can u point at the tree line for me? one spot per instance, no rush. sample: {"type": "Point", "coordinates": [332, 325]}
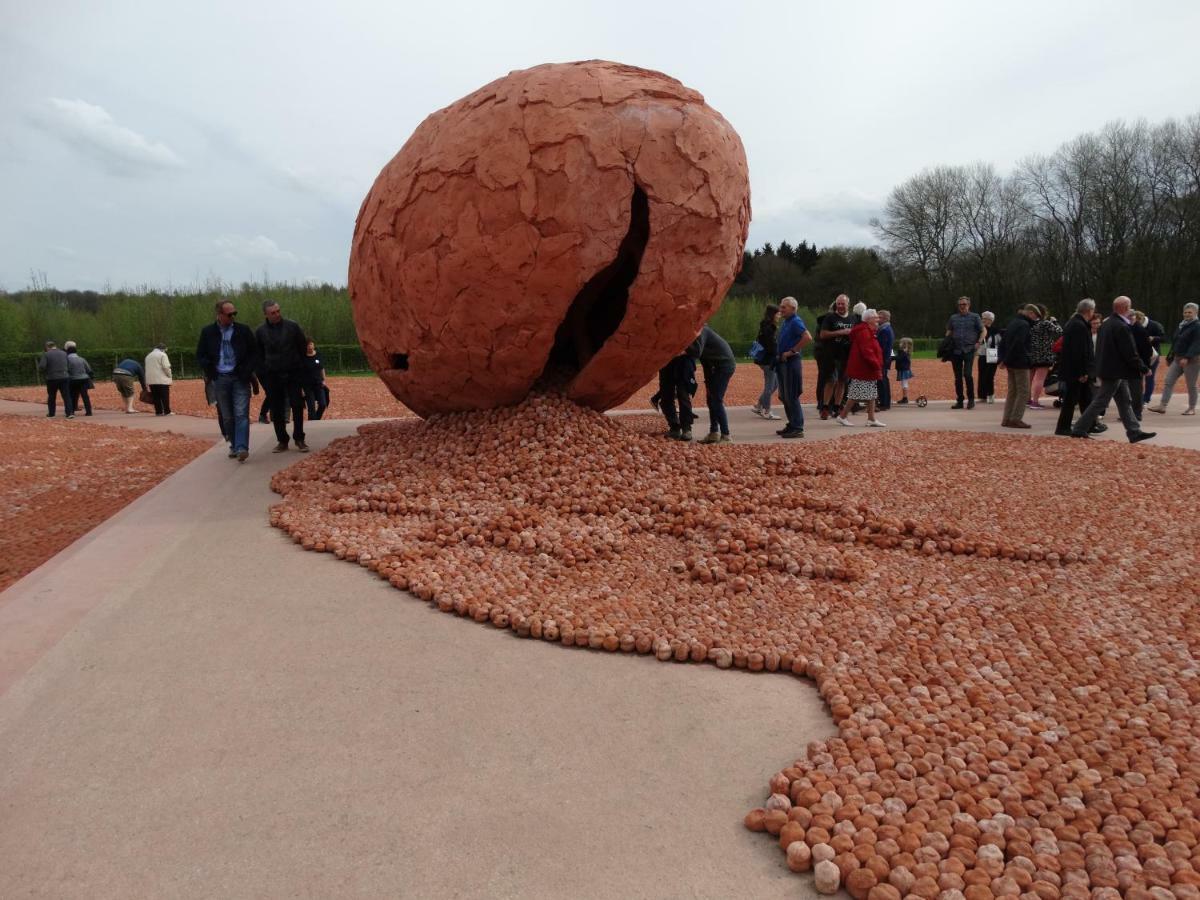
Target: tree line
{"type": "Point", "coordinates": [1111, 212]}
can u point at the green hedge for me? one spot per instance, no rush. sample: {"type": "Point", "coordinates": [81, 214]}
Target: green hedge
{"type": "Point", "coordinates": [21, 368]}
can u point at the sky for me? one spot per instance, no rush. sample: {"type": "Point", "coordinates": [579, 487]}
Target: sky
{"type": "Point", "coordinates": [177, 144]}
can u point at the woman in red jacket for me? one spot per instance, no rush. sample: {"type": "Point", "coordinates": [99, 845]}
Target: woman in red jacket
{"type": "Point", "coordinates": [865, 369]}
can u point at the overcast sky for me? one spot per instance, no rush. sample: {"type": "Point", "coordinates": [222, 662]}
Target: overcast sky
{"type": "Point", "coordinates": [171, 143]}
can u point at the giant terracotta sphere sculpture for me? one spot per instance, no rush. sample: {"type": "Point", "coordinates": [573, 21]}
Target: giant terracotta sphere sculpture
{"type": "Point", "coordinates": [576, 222]}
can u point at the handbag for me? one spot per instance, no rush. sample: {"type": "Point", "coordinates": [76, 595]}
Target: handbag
{"type": "Point", "coordinates": [145, 396]}
{"type": "Point", "coordinates": [756, 351]}
{"type": "Point", "coordinates": [993, 355]}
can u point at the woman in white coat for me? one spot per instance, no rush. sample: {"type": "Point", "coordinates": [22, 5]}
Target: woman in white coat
{"type": "Point", "coordinates": [158, 379]}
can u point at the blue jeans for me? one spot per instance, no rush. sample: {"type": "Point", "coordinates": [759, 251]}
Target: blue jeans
{"type": "Point", "coordinates": [716, 382]}
{"type": "Point", "coordinates": [791, 384]}
{"type": "Point", "coordinates": [233, 402]}
{"type": "Point", "coordinates": [770, 381]}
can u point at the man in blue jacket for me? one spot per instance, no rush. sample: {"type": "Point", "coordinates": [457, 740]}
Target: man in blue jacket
{"type": "Point", "coordinates": [227, 355]}
{"type": "Point", "coordinates": [791, 339]}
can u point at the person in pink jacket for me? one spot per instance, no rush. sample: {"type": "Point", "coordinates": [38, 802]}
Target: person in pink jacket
{"type": "Point", "coordinates": [864, 369]}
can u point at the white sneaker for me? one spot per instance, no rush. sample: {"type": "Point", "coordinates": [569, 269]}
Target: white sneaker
{"type": "Point", "coordinates": [842, 421]}
{"type": "Point", "coordinates": [875, 423]}
{"type": "Point", "coordinates": [770, 415]}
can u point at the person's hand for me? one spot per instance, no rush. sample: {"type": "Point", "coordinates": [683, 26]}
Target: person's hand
{"type": "Point", "coordinates": [1082, 379]}
{"type": "Point", "coordinates": [1183, 360]}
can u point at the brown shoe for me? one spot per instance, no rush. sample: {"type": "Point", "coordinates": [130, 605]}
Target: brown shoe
{"type": "Point", "coordinates": [1019, 424]}
{"type": "Point", "coordinates": [301, 446]}
{"type": "Point", "coordinates": [280, 448]}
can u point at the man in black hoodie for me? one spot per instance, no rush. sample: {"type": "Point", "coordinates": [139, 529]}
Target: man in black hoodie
{"type": "Point", "coordinates": [281, 348]}
{"type": "Point", "coordinates": [1117, 364]}
{"type": "Point", "coordinates": [1076, 365]}
{"type": "Point", "coordinates": [1014, 359]}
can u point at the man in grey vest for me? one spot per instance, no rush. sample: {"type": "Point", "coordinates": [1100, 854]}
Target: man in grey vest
{"type": "Point", "coordinates": [53, 366]}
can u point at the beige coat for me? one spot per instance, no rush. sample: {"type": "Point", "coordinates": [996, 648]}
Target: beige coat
{"type": "Point", "coordinates": [158, 368]}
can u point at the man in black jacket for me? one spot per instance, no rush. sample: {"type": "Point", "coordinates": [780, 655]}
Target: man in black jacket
{"type": "Point", "coordinates": [1014, 358]}
{"type": "Point", "coordinates": [1076, 365]}
{"type": "Point", "coordinates": [1117, 364]}
{"type": "Point", "coordinates": [227, 355]}
{"type": "Point", "coordinates": [282, 347]}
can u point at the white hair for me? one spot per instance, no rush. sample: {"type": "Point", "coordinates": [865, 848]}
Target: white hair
{"type": "Point", "coordinates": [1085, 304]}
{"type": "Point", "coordinates": [869, 313]}
{"type": "Point", "coordinates": [1194, 307]}
{"type": "Point", "coordinates": [789, 302]}
{"type": "Point", "coordinates": [859, 308]}
{"type": "Point", "coordinates": [988, 314]}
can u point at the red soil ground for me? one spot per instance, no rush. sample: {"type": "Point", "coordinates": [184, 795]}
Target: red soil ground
{"type": "Point", "coordinates": [367, 398]}
{"type": "Point", "coordinates": [57, 482]}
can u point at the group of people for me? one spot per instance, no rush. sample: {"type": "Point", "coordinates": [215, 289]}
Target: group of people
{"type": "Point", "coordinates": [235, 361]}
{"type": "Point", "coordinates": [69, 376]}
{"type": "Point", "coordinates": [1098, 361]}
{"type": "Point", "coordinates": [1095, 360]}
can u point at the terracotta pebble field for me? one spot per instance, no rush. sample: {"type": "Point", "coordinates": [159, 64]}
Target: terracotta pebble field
{"type": "Point", "coordinates": [58, 482]}
{"type": "Point", "coordinates": [368, 398]}
{"type": "Point", "coordinates": [1006, 639]}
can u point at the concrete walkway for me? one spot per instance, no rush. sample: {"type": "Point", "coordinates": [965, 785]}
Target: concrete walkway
{"type": "Point", "coordinates": [191, 706]}
{"type": "Point", "coordinates": [209, 711]}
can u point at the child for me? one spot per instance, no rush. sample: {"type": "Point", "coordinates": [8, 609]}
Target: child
{"type": "Point", "coordinates": [904, 371]}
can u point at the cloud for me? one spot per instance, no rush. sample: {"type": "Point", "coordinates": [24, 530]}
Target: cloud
{"type": "Point", "coordinates": [839, 218]}
{"type": "Point", "coordinates": [259, 248]}
{"type": "Point", "coordinates": [92, 131]}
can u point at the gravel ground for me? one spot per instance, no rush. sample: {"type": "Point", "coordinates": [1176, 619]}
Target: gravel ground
{"type": "Point", "coordinates": [367, 398]}
{"type": "Point", "coordinates": [57, 483]}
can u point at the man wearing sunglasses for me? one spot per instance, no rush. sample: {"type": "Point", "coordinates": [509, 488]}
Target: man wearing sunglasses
{"type": "Point", "coordinates": [227, 354]}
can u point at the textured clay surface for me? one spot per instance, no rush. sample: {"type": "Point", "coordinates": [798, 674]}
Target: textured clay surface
{"type": "Point", "coordinates": [1011, 653]}
{"type": "Point", "coordinates": [59, 480]}
{"type": "Point", "coordinates": [580, 219]}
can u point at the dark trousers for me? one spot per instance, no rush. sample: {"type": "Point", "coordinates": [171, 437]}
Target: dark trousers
{"type": "Point", "coordinates": [160, 394]}
{"type": "Point", "coordinates": [826, 372]}
{"type": "Point", "coordinates": [716, 382]}
{"type": "Point", "coordinates": [963, 372]}
{"type": "Point", "coordinates": [884, 387]}
{"type": "Point", "coordinates": [675, 394]}
{"type": "Point", "coordinates": [54, 387]}
{"type": "Point", "coordinates": [1135, 396]}
{"type": "Point", "coordinates": [285, 391]}
{"type": "Point", "coordinates": [314, 399]}
{"type": "Point", "coordinates": [1076, 393]}
{"type": "Point", "coordinates": [791, 384]}
{"type": "Point", "coordinates": [1148, 390]}
{"type": "Point", "coordinates": [79, 391]}
{"type": "Point", "coordinates": [987, 379]}
{"type": "Point", "coordinates": [1114, 389]}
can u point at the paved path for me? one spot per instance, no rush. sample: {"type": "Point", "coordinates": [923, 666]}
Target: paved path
{"type": "Point", "coordinates": [191, 706]}
{"type": "Point", "coordinates": [212, 712]}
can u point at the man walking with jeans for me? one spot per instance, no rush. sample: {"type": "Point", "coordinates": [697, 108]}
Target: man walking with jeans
{"type": "Point", "coordinates": [1121, 370]}
{"type": "Point", "coordinates": [283, 347]}
{"type": "Point", "coordinates": [792, 337]}
{"type": "Point", "coordinates": [965, 329]}
{"type": "Point", "coordinates": [227, 355]}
